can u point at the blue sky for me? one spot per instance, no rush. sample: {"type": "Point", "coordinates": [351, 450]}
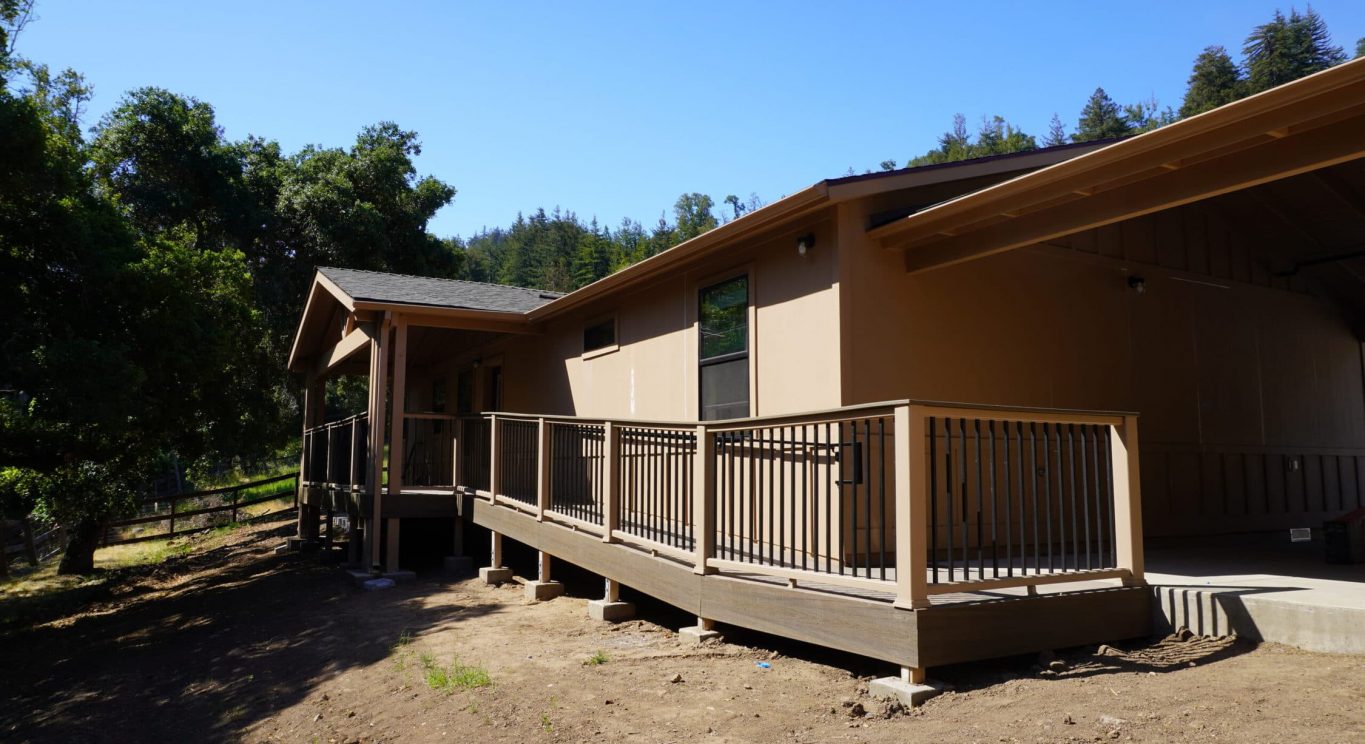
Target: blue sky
{"type": "Point", "coordinates": [614, 109]}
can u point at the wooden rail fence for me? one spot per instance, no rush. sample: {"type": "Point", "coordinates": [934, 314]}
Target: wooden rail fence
{"type": "Point", "coordinates": [231, 503]}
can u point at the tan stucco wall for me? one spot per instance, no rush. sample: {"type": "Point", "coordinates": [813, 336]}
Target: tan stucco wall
{"type": "Point", "coordinates": [794, 331]}
{"type": "Point", "coordinates": [1252, 394]}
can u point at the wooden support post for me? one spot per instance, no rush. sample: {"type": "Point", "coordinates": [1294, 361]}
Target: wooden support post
{"type": "Point", "coordinates": [611, 506]}
{"type": "Point", "coordinates": [391, 555]}
{"type": "Point", "coordinates": [704, 499]}
{"type": "Point", "coordinates": [912, 675]}
{"type": "Point", "coordinates": [1126, 471]}
{"type": "Point", "coordinates": [613, 591]}
{"type": "Point", "coordinates": [234, 506]}
{"type": "Point", "coordinates": [495, 560]}
{"type": "Point", "coordinates": [379, 371]}
{"type": "Point", "coordinates": [400, 377]}
{"type": "Point", "coordinates": [542, 471]}
{"type": "Point", "coordinates": [494, 433]}
{"type": "Point", "coordinates": [457, 428]}
{"type": "Point", "coordinates": [912, 509]}
{"type": "Point", "coordinates": [30, 549]}
{"type": "Point", "coordinates": [543, 566]}
{"type": "Point", "coordinates": [172, 531]}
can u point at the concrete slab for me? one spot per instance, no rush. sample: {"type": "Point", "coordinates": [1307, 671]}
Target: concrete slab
{"type": "Point", "coordinates": [495, 576]}
{"type": "Point", "coordinates": [1260, 587]}
{"type": "Point", "coordinates": [542, 591]}
{"type": "Point", "coordinates": [611, 612]}
{"type": "Point", "coordinates": [696, 635]}
{"type": "Point", "coordinates": [910, 694]}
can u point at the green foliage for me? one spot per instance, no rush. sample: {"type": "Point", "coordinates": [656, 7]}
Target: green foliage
{"type": "Point", "coordinates": [597, 659]}
{"type": "Point", "coordinates": [1056, 132]}
{"type": "Point", "coordinates": [558, 252]}
{"type": "Point", "coordinates": [1101, 118]}
{"type": "Point", "coordinates": [1286, 49]}
{"type": "Point", "coordinates": [1214, 81]}
{"type": "Point", "coordinates": [995, 137]}
{"type": "Point", "coordinates": [1360, 47]}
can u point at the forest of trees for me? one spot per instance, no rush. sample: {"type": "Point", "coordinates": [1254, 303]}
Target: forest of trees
{"type": "Point", "coordinates": [1284, 48]}
{"type": "Point", "coordinates": [152, 270]}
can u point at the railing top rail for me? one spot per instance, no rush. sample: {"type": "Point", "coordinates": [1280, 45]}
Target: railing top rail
{"type": "Point", "coordinates": [862, 410]}
{"type": "Point", "coordinates": [338, 422]}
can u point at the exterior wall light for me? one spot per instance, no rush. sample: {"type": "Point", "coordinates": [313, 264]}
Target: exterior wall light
{"type": "Point", "coordinates": [1137, 284]}
{"type": "Point", "coordinates": [804, 244]}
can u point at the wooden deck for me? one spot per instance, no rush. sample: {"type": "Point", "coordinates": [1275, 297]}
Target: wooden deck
{"type": "Point", "coordinates": [919, 534]}
{"type": "Point", "coordinates": [957, 627]}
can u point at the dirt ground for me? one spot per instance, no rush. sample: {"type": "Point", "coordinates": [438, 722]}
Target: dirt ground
{"type": "Point", "coordinates": [231, 642]}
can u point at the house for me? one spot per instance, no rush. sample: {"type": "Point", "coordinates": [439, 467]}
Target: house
{"type": "Point", "coordinates": [896, 414]}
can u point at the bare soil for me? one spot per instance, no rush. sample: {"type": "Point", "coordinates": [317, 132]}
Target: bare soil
{"type": "Point", "coordinates": [234, 643]}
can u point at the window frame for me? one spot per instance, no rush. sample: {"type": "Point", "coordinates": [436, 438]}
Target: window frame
{"type": "Point", "coordinates": [700, 285]}
{"type": "Point", "coordinates": [615, 345]}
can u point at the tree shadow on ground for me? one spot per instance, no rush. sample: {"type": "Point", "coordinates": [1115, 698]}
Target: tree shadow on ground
{"type": "Point", "coordinates": [208, 645]}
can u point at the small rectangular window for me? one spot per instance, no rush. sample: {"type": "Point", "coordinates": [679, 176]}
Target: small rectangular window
{"type": "Point", "coordinates": [600, 335]}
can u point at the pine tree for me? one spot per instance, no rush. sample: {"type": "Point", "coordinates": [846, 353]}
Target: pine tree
{"type": "Point", "coordinates": [1056, 132]}
{"type": "Point", "coordinates": [1214, 81]}
{"type": "Point", "coordinates": [1101, 119]}
{"type": "Point", "coordinates": [1287, 49]}
{"type": "Point", "coordinates": [1360, 47]}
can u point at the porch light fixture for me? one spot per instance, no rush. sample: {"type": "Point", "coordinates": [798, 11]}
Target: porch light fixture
{"type": "Point", "coordinates": [804, 244]}
{"type": "Point", "coordinates": [1137, 284]}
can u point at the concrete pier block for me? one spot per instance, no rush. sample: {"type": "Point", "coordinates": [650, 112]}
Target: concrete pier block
{"type": "Point", "coordinates": [910, 694]}
{"type": "Point", "coordinates": [611, 612]}
{"type": "Point", "coordinates": [541, 591]}
{"type": "Point", "coordinates": [495, 576]}
{"type": "Point", "coordinates": [697, 635]}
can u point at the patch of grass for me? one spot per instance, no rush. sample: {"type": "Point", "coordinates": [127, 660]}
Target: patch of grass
{"type": "Point", "coordinates": [545, 724]}
{"type": "Point", "coordinates": [148, 553]}
{"type": "Point", "coordinates": [596, 659]}
{"type": "Point", "coordinates": [456, 675]}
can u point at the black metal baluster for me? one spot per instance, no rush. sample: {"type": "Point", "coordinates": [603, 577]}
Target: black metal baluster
{"type": "Point", "coordinates": [1009, 505]}
{"type": "Point", "coordinates": [1071, 492]}
{"type": "Point", "coordinates": [1085, 501]}
{"type": "Point", "coordinates": [995, 507]}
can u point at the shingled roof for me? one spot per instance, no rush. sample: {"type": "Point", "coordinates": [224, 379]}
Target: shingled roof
{"type": "Point", "coordinates": [374, 286]}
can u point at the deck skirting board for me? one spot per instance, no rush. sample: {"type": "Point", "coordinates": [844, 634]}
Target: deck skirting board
{"type": "Point", "coordinates": [943, 634]}
{"type": "Point", "coordinates": [968, 631]}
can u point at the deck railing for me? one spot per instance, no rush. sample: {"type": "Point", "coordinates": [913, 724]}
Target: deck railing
{"type": "Point", "coordinates": [334, 453]}
{"type": "Point", "coordinates": [907, 498]}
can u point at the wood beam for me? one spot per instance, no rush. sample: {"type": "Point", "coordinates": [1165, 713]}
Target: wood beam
{"type": "Point", "coordinates": [400, 377]}
{"type": "Point", "coordinates": [343, 350]}
{"type": "Point", "coordinates": [1280, 158]}
{"type": "Point", "coordinates": [468, 320]}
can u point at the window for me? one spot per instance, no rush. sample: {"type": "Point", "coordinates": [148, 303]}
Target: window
{"type": "Point", "coordinates": [599, 335]}
{"type": "Point", "coordinates": [723, 356]}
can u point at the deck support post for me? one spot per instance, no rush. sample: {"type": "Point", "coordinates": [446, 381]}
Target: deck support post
{"type": "Point", "coordinates": [703, 631]}
{"type": "Point", "coordinates": [1123, 455]}
{"type": "Point", "coordinates": [544, 587]}
{"type": "Point", "coordinates": [392, 524]}
{"type": "Point", "coordinates": [704, 499]}
{"type": "Point", "coordinates": [542, 469]}
{"type": "Point", "coordinates": [912, 509]}
{"type": "Point", "coordinates": [313, 413]}
{"type": "Point", "coordinates": [611, 504]}
{"type": "Point", "coordinates": [610, 608]}
{"type": "Point", "coordinates": [379, 389]}
{"type": "Point", "coordinates": [495, 573]}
